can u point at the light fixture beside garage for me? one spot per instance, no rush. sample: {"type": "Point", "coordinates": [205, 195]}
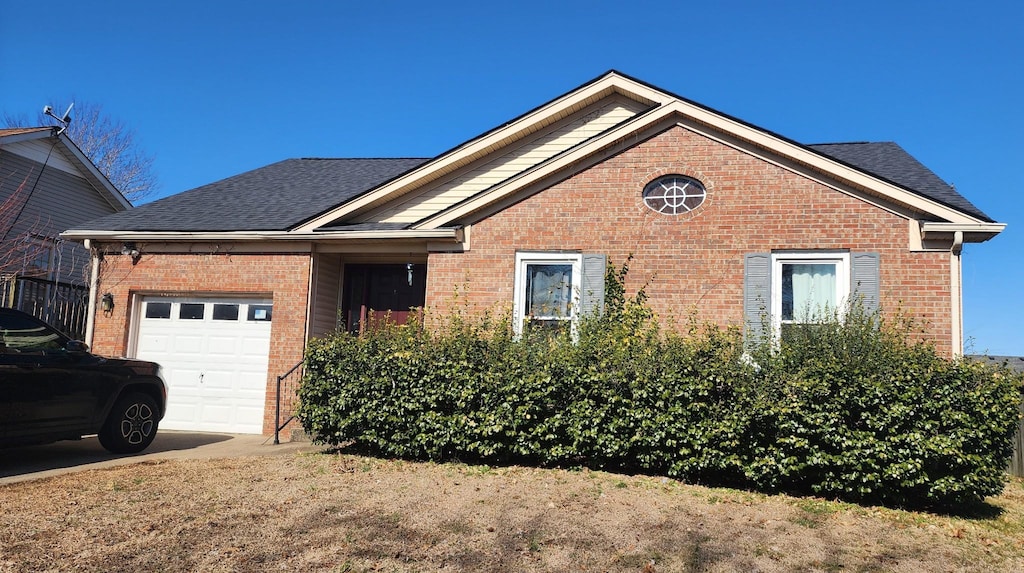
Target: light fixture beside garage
{"type": "Point", "coordinates": [129, 249]}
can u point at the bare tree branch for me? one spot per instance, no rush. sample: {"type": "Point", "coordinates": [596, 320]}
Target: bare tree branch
{"type": "Point", "coordinates": [21, 241]}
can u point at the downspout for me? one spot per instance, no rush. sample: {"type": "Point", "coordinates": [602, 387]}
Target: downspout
{"type": "Point", "coordinates": [94, 278]}
{"type": "Point", "coordinates": [956, 293]}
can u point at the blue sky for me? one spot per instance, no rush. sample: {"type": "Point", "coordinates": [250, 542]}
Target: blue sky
{"type": "Point", "coordinates": [213, 89]}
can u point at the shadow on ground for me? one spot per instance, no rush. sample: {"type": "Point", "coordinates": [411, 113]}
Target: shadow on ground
{"type": "Point", "coordinates": [74, 453]}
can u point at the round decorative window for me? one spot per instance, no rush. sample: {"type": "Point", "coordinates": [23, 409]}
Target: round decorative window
{"type": "Point", "coordinates": [674, 194]}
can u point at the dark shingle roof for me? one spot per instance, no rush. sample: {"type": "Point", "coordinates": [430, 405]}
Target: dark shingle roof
{"type": "Point", "coordinates": [890, 162]}
{"type": "Point", "coordinates": [282, 195]}
{"type": "Point", "coordinates": [272, 198]}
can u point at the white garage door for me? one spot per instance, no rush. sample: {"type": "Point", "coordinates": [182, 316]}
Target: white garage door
{"type": "Point", "coordinates": [214, 355]}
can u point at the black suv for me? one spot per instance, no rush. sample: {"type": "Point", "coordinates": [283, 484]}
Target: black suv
{"type": "Point", "coordinates": [52, 388]}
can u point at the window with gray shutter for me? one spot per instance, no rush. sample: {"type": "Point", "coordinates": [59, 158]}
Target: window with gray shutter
{"type": "Point", "coordinates": [864, 283]}
{"type": "Point", "coordinates": [592, 284]}
{"type": "Point", "coordinates": [756, 291]}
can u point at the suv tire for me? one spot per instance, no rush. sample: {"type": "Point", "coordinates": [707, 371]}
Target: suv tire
{"type": "Point", "coordinates": [131, 425]}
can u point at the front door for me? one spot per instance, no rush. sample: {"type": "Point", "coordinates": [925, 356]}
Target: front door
{"type": "Point", "coordinates": [373, 292]}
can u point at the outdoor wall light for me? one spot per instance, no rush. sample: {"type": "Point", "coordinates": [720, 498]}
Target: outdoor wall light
{"type": "Point", "coordinates": [107, 303]}
{"type": "Point", "coordinates": [408, 268]}
{"type": "Point", "coordinates": [129, 249]}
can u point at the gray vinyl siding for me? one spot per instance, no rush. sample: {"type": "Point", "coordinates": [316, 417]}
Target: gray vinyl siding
{"type": "Point", "coordinates": [56, 201]}
{"type": "Point", "coordinates": [326, 294]}
{"type": "Point", "coordinates": [43, 150]}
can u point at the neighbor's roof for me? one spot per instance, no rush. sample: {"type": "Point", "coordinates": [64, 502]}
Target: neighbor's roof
{"type": "Point", "coordinates": [272, 198]}
{"type": "Point", "coordinates": [890, 162]}
{"type": "Point", "coordinates": [20, 130]}
{"type": "Point", "coordinates": [1015, 363]}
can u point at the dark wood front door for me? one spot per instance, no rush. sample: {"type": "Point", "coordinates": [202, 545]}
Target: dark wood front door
{"type": "Point", "coordinates": [373, 292]}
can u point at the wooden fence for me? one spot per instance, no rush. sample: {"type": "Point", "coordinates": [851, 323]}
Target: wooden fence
{"type": "Point", "coordinates": [63, 305]}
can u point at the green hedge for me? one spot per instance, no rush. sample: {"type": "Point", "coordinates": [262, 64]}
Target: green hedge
{"type": "Point", "coordinates": [853, 409]}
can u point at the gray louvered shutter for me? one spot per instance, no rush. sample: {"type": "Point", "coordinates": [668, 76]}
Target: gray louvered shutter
{"type": "Point", "coordinates": [592, 284]}
{"type": "Point", "coordinates": [757, 282]}
{"type": "Point", "coordinates": [864, 284]}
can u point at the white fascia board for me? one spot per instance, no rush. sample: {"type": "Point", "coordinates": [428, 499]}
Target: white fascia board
{"type": "Point", "coordinates": [721, 124]}
{"type": "Point", "coordinates": [95, 176]}
{"type": "Point", "coordinates": [451, 234]}
{"type": "Point", "coordinates": [508, 133]}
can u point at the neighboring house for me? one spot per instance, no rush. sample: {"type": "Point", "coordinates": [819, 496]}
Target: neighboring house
{"type": "Point", "coordinates": [224, 284]}
{"type": "Point", "coordinates": [47, 185]}
{"type": "Point", "coordinates": [1015, 363]}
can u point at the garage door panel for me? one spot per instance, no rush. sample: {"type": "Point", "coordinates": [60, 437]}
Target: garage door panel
{"type": "Point", "coordinates": [153, 343]}
{"type": "Point", "coordinates": [185, 378]}
{"type": "Point", "coordinates": [183, 408]}
{"type": "Point", "coordinates": [248, 381]}
{"type": "Point", "coordinates": [187, 344]}
{"type": "Point", "coordinates": [224, 345]}
{"type": "Point", "coordinates": [225, 380]}
{"type": "Point", "coordinates": [216, 366]}
{"type": "Point", "coordinates": [251, 418]}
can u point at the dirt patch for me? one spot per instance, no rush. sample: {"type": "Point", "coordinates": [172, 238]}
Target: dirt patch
{"type": "Point", "coordinates": [346, 514]}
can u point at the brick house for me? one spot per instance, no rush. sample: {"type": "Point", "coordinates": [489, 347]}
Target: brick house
{"type": "Point", "coordinates": [225, 283]}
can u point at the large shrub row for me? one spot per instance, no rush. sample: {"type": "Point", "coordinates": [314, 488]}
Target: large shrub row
{"type": "Point", "coordinates": [853, 409]}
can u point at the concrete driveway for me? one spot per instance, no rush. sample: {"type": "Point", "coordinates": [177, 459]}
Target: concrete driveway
{"type": "Point", "coordinates": [35, 462]}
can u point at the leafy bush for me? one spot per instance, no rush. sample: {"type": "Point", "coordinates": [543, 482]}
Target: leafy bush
{"type": "Point", "coordinates": [855, 409]}
{"type": "Point", "coordinates": [852, 409]}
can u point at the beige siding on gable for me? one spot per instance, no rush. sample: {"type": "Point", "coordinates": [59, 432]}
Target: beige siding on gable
{"type": "Point", "coordinates": [544, 145]}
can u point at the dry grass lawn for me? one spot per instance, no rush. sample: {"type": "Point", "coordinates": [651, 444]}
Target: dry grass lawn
{"type": "Point", "coordinates": [343, 513]}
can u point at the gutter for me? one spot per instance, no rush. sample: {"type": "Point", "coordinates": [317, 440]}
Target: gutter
{"type": "Point", "coordinates": [962, 232]}
{"type": "Point", "coordinates": [453, 234]}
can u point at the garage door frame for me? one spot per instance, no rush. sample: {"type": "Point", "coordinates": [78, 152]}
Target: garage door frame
{"type": "Point", "coordinates": [138, 302]}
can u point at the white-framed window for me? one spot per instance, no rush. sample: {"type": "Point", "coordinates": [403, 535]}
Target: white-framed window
{"type": "Point", "coordinates": [806, 287]}
{"type": "Point", "coordinates": [547, 290]}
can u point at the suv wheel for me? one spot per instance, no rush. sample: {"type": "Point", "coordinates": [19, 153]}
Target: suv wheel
{"type": "Point", "coordinates": [131, 425]}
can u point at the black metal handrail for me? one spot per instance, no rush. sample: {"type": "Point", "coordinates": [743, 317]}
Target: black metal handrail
{"type": "Point", "coordinates": [293, 377]}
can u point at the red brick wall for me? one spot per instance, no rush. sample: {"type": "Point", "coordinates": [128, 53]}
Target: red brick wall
{"type": "Point", "coordinates": [284, 277]}
{"type": "Point", "coordinates": [693, 261]}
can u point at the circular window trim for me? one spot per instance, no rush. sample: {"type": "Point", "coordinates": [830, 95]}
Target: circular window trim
{"type": "Point", "coordinates": [674, 194]}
